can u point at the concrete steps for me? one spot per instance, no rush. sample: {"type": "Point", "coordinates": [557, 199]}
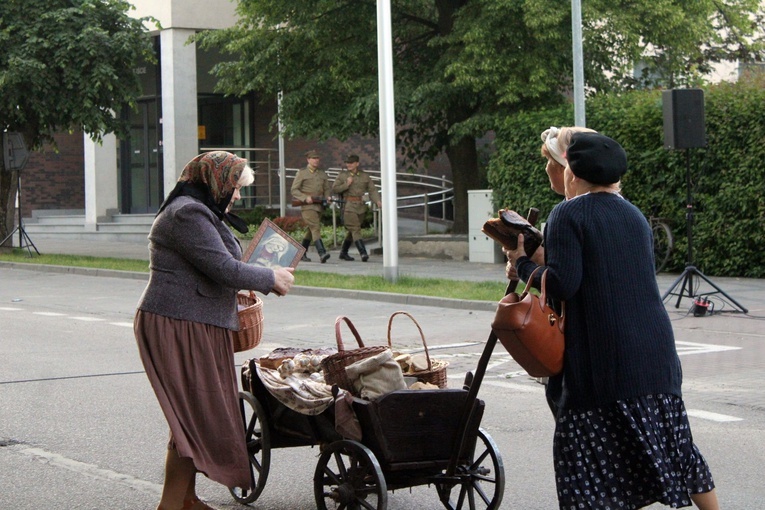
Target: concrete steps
{"type": "Point", "coordinates": [70, 225]}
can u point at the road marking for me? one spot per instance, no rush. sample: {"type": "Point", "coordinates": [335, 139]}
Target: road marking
{"type": "Point", "coordinates": [87, 319]}
{"type": "Point", "coordinates": [707, 415]}
{"type": "Point", "coordinates": [684, 348]}
{"type": "Point", "coordinates": [50, 314]}
{"type": "Point", "coordinates": [122, 324]}
{"type": "Point", "coordinates": [9, 309]}
{"type": "Point", "coordinates": [89, 470]}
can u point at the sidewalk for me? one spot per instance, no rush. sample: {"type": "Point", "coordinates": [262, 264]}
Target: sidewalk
{"type": "Point", "coordinates": [749, 292]}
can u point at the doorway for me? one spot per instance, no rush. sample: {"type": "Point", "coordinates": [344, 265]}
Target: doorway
{"type": "Point", "coordinates": [141, 161]}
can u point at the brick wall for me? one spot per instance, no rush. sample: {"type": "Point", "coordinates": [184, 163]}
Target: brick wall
{"type": "Point", "coordinates": [55, 180]}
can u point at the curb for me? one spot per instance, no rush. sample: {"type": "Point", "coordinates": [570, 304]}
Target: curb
{"type": "Point", "coordinates": [297, 290]}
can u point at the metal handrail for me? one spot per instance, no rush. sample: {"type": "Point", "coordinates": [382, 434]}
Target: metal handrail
{"type": "Point", "coordinates": [268, 158]}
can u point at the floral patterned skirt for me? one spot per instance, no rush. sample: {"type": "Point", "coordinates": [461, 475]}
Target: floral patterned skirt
{"type": "Point", "coordinates": [628, 455]}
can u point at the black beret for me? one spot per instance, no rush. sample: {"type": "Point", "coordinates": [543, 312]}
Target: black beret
{"type": "Point", "coordinates": [596, 158]}
{"type": "Point", "coordinates": [352, 158]}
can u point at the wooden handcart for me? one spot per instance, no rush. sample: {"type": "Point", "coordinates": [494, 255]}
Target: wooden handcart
{"type": "Point", "coordinates": [409, 438]}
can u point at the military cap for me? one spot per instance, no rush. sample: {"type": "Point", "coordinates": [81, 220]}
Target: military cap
{"type": "Point", "coordinates": [312, 154]}
{"type": "Point", "coordinates": [351, 158]}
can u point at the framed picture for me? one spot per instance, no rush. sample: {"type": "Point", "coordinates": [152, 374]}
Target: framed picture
{"type": "Point", "coordinates": [273, 247]}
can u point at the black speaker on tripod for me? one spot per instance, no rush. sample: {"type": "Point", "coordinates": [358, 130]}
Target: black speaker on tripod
{"type": "Point", "coordinates": [15, 157]}
{"type": "Point", "coordinates": [684, 128]}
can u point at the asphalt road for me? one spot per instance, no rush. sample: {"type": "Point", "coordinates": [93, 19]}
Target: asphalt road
{"type": "Point", "coordinates": [80, 427]}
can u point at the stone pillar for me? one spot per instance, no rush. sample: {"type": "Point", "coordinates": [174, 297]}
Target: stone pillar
{"type": "Point", "coordinates": [179, 103]}
{"type": "Point", "coordinates": [101, 185]}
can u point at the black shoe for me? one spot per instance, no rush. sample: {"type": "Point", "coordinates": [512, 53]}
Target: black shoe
{"type": "Point", "coordinates": [323, 255]}
{"type": "Point", "coordinates": [344, 249]}
{"type": "Point", "coordinates": [362, 250]}
{"type": "Point", "coordinates": [306, 243]}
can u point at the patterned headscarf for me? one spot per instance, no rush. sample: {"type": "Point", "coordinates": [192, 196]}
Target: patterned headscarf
{"type": "Point", "coordinates": [211, 177]}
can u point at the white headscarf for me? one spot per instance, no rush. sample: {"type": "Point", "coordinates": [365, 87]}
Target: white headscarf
{"type": "Point", "coordinates": [550, 138]}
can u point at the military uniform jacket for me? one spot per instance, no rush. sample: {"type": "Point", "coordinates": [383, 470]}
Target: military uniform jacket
{"type": "Point", "coordinates": [362, 183]}
{"type": "Point", "coordinates": [311, 184]}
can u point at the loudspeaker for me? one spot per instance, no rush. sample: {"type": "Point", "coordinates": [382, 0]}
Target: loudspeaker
{"type": "Point", "coordinates": [683, 118]}
{"type": "Point", "coordinates": [15, 155]}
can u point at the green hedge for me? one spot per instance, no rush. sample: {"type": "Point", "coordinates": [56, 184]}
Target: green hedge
{"type": "Point", "coordinates": [727, 176]}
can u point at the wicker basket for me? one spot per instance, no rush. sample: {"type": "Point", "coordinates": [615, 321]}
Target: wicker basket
{"type": "Point", "coordinates": [436, 371]}
{"type": "Point", "coordinates": [250, 322]}
{"type": "Point", "coordinates": [334, 364]}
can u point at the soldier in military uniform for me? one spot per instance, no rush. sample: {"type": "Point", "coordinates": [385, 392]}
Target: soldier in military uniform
{"type": "Point", "coordinates": [311, 187]}
{"type": "Point", "coordinates": [352, 184]}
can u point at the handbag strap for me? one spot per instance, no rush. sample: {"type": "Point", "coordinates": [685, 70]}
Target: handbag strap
{"type": "Point", "coordinates": [338, 336]}
{"type": "Point", "coordinates": [422, 335]}
{"type": "Point", "coordinates": [543, 299]}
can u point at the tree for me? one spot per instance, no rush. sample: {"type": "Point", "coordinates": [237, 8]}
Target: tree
{"type": "Point", "coordinates": [65, 65]}
{"type": "Point", "coordinates": [462, 64]}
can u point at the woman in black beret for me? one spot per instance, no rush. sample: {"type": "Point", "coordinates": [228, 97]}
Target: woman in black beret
{"type": "Point", "coordinates": [622, 437]}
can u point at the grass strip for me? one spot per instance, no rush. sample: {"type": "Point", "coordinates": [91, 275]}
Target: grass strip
{"type": "Point", "coordinates": [410, 285]}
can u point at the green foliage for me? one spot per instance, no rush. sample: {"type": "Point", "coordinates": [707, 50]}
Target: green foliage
{"type": "Point", "coordinates": [461, 67]}
{"type": "Point", "coordinates": [66, 64]}
{"type": "Point", "coordinates": [726, 177]}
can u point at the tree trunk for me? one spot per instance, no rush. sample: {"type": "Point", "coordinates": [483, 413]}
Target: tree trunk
{"type": "Point", "coordinates": [463, 157]}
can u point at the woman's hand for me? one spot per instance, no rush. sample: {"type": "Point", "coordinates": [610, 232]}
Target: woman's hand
{"type": "Point", "coordinates": [537, 257]}
{"type": "Point", "coordinates": [283, 280]}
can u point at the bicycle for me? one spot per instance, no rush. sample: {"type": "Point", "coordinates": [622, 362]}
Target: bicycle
{"type": "Point", "coordinates": [663, 242]}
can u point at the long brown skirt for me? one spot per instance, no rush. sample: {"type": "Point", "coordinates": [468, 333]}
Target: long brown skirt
{"type": "Point", "coordinates": [191, 368]}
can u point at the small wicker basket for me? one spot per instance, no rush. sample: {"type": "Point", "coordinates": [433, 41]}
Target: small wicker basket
{"type": "Point", "coordinates": [250, 322]}
{"type": "Point", "coordinates": [436, 371]}
{"type": "Point", "coordinates": [334, 364]}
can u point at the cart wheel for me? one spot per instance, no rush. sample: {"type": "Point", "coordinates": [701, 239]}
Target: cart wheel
{"type": "Point", "coordinates": [480, 486]}
{"type": "Point", "coordinates": [258, 441]}
{"type": "Point", "coordinates": [348, 477]}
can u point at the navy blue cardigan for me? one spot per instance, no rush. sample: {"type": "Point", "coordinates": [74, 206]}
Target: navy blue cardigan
{"type": "Point", "coordinates": [619, 339]}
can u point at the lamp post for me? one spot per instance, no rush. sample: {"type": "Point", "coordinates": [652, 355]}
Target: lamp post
{"type": "Point", "coordinates": [387, 141]}
{"type": "Point", "coordinates": [576, 36]}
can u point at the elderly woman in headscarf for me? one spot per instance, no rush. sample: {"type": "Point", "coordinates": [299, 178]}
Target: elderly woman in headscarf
{"type": "Point", "coordinates": [184, 323]}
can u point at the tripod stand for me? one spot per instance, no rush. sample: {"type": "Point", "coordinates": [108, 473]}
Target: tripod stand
{"type": "Point", "coordinates": [690, 270]}
{"type": "Point", "coordinates": [24, 240]}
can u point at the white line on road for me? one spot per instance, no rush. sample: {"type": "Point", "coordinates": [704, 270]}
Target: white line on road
{"type": "Point", "coordinates": [122, 324]}
{"type": "Point", "coordinates": [9, 309]}
{"type": "Point", "coordinates": [89, 470]}
{"type": "Point", "coordinates": [87, 319]}
{"type": "Point", "coordinates": [49, 314]}
{"type": "Point", "coordinates": [697, 348]}
{"type": "Point", "coordinates": [707, 415]}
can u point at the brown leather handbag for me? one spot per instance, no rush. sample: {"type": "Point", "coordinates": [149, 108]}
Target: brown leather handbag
{"type": "Point", "coordinates": [531, 331]}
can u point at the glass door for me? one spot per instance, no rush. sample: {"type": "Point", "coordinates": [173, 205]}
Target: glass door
{"type": "Point", "coordinates": [141, 161]}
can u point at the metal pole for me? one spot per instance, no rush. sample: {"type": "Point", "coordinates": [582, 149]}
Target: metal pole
{"type": "Point", "coordinates": [576, 36]}
{"type": "Point", "coordinates": [387, 140]}
{"type": "Point", "coordinates": [282, 166]}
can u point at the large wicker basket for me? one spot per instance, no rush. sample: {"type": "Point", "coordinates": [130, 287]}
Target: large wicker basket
{"type": "Point", "coordinates": [250, 309]}
{"type": "Point", "coordinates": [334, 364]}
{"type": "Point", "coordinates": [436, 371]}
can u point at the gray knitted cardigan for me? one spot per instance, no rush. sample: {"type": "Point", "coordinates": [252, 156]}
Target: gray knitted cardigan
{"type": "Point", "coordinates": [195, 267]}
{"type": "Point", "coordinates": [619, 339]}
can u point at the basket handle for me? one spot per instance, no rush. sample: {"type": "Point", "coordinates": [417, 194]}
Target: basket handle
{"type": "Point", "coordinates": [422, 335]}
{"type": "Point", "coordinates": [338, 336]}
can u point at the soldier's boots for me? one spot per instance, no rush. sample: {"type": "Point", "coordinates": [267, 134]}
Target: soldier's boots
{"type": "Point", "coordinates": [362, 250]}
{"type": "Point", "coordinates": [323, 255]}
{"type": "Point", "coordinates": [306, 243]}
{"type": "Point", "coordinates": [344, 249]}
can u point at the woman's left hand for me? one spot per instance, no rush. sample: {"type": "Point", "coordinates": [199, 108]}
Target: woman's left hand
{"type": "Point", "coordinates": [518, 252]}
